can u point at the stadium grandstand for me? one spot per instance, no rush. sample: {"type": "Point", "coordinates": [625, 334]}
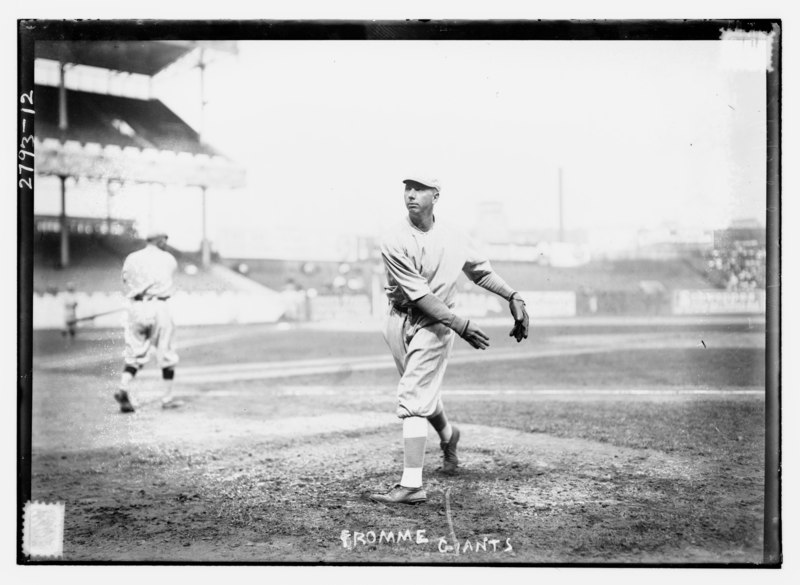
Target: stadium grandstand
{"type": "Point", "coordinates": [618, 275]}
{"type": "Point", "coordinates": [651, 277]}
{"type": "Point", "coordinates": [115, 121]}
{"type": "Point", "coordinates": [603, 286]}
{"type": "Point", "coordinates": [738, 261]}
{"type": "Point", "coordinates": [86, 138]}
{"type": "Point", "coordinates": [118, 139]}
{"type": "Point", "coordinates": [97, 249]}
{"type": "Point", "coordinates": [84, 134]}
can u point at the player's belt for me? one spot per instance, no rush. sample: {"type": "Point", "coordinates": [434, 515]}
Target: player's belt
{"type": "Point", "coordinates": [407, 310]}
{"type": "Point", "coordinates": [150, 299]}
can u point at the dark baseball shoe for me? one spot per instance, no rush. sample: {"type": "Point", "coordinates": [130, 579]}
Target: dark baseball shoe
{"type": "Point", "coordinates": [401, 495]}
{"type": "Point", "coordinates": [124, 402]}
{"type": "Point", "coordinates": [450, 464]}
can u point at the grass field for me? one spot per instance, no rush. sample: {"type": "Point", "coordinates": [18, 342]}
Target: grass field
{"type": "Point", "coordinates": [592, 443]}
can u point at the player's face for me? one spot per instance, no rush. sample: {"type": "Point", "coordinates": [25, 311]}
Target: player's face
{"type": "Point", "coordinates": [419, 198]}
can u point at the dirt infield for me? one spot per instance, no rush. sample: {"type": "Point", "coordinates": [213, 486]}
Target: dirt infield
{"type": "Point", "coordinates": [606, 455]}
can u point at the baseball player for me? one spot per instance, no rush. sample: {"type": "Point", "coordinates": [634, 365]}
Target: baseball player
{"type": "Point", "coordinates": [70, 303]}
{"type": "Point", "coordinates": [423, 257]}
{"type": "Point", "coordinates": [147, 277]}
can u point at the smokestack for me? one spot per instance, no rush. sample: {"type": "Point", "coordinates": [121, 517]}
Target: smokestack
{"type": "Point", "coordinates": [560, 206]}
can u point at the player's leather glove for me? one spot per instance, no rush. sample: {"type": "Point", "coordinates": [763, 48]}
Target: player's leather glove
{"type": "Point", "coordinates": [521, 320]}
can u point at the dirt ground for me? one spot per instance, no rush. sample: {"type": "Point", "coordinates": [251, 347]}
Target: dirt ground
{"type": "Point", "coordinates": [597, 444]}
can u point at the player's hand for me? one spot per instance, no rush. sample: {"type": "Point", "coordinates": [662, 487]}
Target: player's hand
{"type": "Point", "coordinates": [474, 336]}
{"type": "Point", "coordinates": [521, 320]}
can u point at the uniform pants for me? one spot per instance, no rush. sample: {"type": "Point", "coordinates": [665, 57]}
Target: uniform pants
{"type": "Point", "coordinates": [420, 351]}
{"type": "Point", "coordinates": [149, 328]}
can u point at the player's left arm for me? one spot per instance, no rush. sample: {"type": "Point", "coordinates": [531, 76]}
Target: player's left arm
{"type": "Point", "coordinates": [173, 264]}
{"type": "Point", "coordinates": [480, 271]}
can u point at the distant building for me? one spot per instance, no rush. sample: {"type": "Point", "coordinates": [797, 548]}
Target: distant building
{"type": "Point", "coordinates": [664, 242]}
{"type": "Point", "coordinates": [672, 241]}
{"type": "Point", "coordinates": [741, 231]}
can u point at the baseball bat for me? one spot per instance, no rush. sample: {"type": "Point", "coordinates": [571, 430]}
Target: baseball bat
{"type": "Point", "coordinates": [96, 315]}
{"type": "Point", "coordinates": [92, 317]}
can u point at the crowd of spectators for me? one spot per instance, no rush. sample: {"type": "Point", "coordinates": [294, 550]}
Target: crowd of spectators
{"type": "Point", "coordinates": [742, 266]}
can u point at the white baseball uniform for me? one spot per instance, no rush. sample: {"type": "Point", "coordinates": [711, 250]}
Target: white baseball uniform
{"type": "Point", "coordinates": [148, 279]}
{"type": "Point", "coordinates": [420, 263]}
{"type": "Point", "coordinates": [70, 303]}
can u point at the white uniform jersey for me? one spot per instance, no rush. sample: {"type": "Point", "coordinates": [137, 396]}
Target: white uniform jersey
{"type": "Point", "coordinates": [151, 270]}
{"type": "Point", "coordinates": [418, 263]}
{"type": "Point", "coordinates": [148, 278]}
{"type": "Point", "coordinates": [70, 303]}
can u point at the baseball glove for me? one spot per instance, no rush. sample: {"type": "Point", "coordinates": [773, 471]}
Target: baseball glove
{"type": "Point", "coordinates": [521, 320]}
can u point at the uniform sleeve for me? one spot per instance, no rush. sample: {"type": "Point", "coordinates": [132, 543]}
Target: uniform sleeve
{"type": "Point", "coordinates": [480, 271]}
{"type": "Point", "coordinates": [477, 263]}
{"type": "Point", "coordinates": [172, 274]}
{"type": "Point", "coordinates": [401, 270]}
{"type": "Point", "coordinates": [134, 276]}
{"type": "Point", "coordinates": [127, 276]}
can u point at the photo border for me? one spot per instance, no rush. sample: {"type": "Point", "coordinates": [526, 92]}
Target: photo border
{"type": "Point", "coordinates": [30, 31]}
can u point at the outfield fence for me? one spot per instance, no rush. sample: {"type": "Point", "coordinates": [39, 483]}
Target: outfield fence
{"type": "Point", "coordinates": [228, 307]}
{"type": "Point", "coordinates": [196, 308]}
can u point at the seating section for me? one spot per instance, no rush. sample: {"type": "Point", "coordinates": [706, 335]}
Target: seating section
{"type": "Point", "coordinates": [739, 266]}
{"type": "Point", "coordinates": [96, 265]}
{"type": "Point", "coordinates": [617, 275]}
{"type": "Point", "coordinates": [115, 120]}
{"type": "Point", "coordinates": [605, 275]}
{"type": "Point", "coordinates": [321, 276]}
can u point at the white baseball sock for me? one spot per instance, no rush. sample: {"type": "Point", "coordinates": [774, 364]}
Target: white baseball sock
{"type": "Point", "coordinates": [415, 434]}
{"type": "Point", "coordinates": [126, 378]}
{"type": "Point", "coordinates": [125, 382]}
{"type": "Point", "coordinates": [166, 397]}
{"type": "Point", "coordinates": [168, 377]}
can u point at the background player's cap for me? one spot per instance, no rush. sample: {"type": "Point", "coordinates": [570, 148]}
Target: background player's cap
{"type": "Point", "coordinates": [423, 180]}
{"type": "Point", "coordinates": [154, 233]}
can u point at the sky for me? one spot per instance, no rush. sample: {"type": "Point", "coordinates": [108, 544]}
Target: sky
{"type": "Point", "coordinates": [644, 133]}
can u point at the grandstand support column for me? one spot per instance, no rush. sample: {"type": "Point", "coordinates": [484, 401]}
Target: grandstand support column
{"type": "Point", "coordinates": [111, 190]}
{"type": "Point", "coordinates": [205, 248]}
{"type": "Point", "coordinates": [62, 99]}
{"type": "Point", "coordinates": [203, 102]}
{"type": "Point", "coordinates": [64, 228]}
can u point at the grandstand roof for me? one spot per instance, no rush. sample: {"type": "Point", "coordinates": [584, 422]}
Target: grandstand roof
{"type": "Point", "coordinates": [143, 57]}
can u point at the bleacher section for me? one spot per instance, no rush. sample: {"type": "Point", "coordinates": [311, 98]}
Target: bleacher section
{"type": "Point", "coordinates": [96, 264]}
{"type": "Point", "coordinates": [277, 274]}
{"type": "Point", "coordinates": [617, 275]}
{"type": "Point", "coordinates": [109, 119]}
{"type": "Point", "coordinates": [611, 276]}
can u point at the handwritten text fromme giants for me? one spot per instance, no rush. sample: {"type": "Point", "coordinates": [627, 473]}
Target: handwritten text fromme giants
{"type": "Point", "coordinates": [370, 538]}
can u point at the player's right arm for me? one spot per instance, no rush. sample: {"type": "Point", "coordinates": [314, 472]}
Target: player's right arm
{"type": "Point", "coordinates": [127, 277]}
{"type": "Point", "coordinates": [435, 308]}
{"type": "Point", "coordinates": [416, 288]}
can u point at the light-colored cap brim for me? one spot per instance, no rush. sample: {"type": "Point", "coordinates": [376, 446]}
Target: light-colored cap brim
{"type": "Point", "coordinates": [427, 181]}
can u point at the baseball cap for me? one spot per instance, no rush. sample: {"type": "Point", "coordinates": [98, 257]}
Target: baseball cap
{"type": "Point", "coordinates": [424, 180]}
{"type": "Point", "coordinates": [155, 233]}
